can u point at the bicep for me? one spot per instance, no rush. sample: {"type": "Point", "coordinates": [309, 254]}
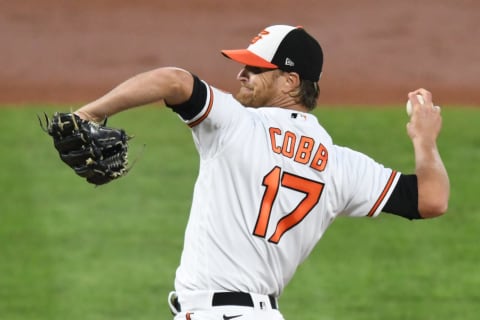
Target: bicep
{"type": "Point", "coordinates": [178, 84]}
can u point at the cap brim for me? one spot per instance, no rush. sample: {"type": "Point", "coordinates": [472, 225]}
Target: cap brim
{"type": "Point", "coordinates": [248, 58]}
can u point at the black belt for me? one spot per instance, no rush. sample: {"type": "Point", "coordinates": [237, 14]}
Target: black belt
{"type": "Point", "coordinates": [237, 299]}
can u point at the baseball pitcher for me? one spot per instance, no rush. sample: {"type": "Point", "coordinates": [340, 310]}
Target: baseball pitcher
{"type": "Point", "coordinates": [271, 179]}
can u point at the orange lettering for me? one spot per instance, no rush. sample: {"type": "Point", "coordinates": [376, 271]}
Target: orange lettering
{"type": "Point", "coordinates": [273, 132]}
{"type": "Point", "coordinates": [304, 150]}
{"type": "Point", "coordinates": [301, 153]}
{"type": "Point", "coordinates": [321, 158]}
{"type": "Point", "coordinates": [288, 147]}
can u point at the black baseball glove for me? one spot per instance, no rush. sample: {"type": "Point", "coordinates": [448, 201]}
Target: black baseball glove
{"type": "Point", "coordinates": [94, 151]}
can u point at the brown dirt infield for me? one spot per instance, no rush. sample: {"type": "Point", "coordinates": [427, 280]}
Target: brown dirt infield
{"type": "Point", "coordinates": [56, 51]}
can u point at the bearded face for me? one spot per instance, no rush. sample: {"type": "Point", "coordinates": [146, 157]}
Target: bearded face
{"type": "Point", "coordinates": [258, 86]}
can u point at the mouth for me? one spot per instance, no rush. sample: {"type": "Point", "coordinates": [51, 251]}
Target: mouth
{"type": "Point", "coordinates": [246, 88]}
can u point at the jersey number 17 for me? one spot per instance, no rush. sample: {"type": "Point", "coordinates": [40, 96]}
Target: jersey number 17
{"type": "Point", "coordinates": [272, 183]}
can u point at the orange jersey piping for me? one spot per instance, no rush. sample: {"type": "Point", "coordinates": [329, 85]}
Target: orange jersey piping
{"type": "Point", "coordinates": [209, 108]}
{"type": "Point", "coordinates": [384, 193]}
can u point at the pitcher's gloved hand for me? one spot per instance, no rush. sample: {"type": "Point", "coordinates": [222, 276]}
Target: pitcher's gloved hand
{"type": "Point", "coordinates": [94, 151]}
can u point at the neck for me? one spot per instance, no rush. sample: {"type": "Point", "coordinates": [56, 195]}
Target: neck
{"type": "Point", "coordinates": [288, 102]}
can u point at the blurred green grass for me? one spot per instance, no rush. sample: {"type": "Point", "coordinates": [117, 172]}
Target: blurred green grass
{"type": "Point", "coordinates": [72, 251]}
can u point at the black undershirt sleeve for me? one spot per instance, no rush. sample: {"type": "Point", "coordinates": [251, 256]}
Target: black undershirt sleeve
{"type": "Point", "coordinates": [194, 105]}
{"type": "Point", "coordinates": [404, 199]}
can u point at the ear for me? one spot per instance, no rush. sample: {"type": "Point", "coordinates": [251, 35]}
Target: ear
{"type": "Point", "coordinates": [292, 81]}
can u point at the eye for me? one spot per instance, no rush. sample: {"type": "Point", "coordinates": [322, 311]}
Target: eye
{"type": "Point", "coordinates": [256, 70]}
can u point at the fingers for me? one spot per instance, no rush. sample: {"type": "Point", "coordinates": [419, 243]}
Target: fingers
{"type": "Point", "coordinates": [426, 95]}
{"type": "Point", "coordinates": [427, 99]}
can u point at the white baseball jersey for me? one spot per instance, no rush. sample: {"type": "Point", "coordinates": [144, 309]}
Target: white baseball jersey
{"type": "Point", "coordinates": [270, 183]}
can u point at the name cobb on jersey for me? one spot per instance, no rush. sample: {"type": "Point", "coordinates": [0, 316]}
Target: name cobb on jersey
{"type": "Point", "coordinates": [285, 143]}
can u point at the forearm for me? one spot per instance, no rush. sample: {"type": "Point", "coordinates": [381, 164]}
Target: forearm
{"type": "Point", "coordinates": [169, 84]}
{"type": "Point", "coordinates": [433, 181]}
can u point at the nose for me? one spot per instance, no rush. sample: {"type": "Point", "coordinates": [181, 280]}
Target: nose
{"type": "Point", "coordinates": [242, 75]}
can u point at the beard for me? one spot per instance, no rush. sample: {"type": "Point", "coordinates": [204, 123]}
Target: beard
{"type": "Point", "coordinates": [248, 98]}
{"type": "Point", "coordinates": [244, 98]}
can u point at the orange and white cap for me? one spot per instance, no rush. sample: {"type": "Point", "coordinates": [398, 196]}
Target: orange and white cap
{"type": "Point", "coordinates": [284, 47]}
